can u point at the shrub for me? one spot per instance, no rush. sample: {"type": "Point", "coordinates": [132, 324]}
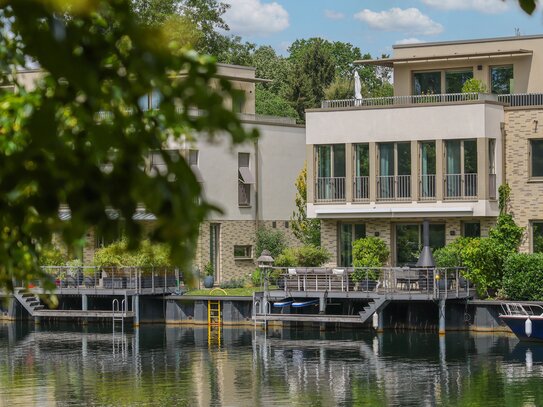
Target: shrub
{"type": "Point", "coordinates": [147, 255]}
{"type": "Point", "coordinates": [369, 252]}
{"type": "Point", "coordinates": [255, 278]}
{"type": "Point", "coordinates": [451, 255]}
{"type": "Point", "coordinates": [209, 270]}
{"type": "Point", "coordinates": [270, 239]}
{"type": "Point", "coordinates": [523, 277]}
{"type": "Point", "coordinates": [52, 256]}
{"type": "Point", "coordinates": [474, 86]}
{"type": "Point", "coordinates": [304, 256]}
{"type": "Point", "coordinates": [483, 265]}
{"type": "Point", "coordinates": [233, 283]}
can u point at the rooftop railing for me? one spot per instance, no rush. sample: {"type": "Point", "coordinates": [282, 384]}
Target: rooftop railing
{"type": "Point", "coordinates": [518, 99]}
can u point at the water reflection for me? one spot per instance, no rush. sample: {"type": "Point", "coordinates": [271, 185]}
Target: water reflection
{"type": "Point", "coordinates": [157, 365]}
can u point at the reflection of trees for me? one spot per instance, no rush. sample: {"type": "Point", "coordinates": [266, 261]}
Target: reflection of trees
{"type": "Point", "coordinates": [175, 366]}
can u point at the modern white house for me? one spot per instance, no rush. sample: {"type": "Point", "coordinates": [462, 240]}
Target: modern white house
{"type": "Point", "coordinates": [379, 167]}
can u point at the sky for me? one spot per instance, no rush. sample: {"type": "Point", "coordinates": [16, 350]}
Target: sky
{"type": "Point", "coordinates": [376, 25]}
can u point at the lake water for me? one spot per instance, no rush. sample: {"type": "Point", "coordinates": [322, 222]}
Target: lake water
{"type": "Point", "coordinates": [167, 366]}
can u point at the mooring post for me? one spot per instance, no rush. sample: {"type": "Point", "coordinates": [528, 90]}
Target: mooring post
{"type": "Point", "coordinates": [380, 321]}
{"type": "Point", "coordinates": [84, 306]}
{"type": "Point", "coordinates": [136, 309]}
{"type": "Point", "coordinates": [442, 316]}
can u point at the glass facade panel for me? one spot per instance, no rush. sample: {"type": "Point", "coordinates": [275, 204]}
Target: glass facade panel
{"type": "Point", "coordinates": [470, 157]}
{"type": "Point", "coordinates": [404, 158]}
{"type": "Point", "coordinates": [324, 161]}
{"type": "Point", "coordinates": [409, 242]}
{"type": "Point", "coordinates": [348, 233]}
{"type": "Point", "coordinates": [472, 229]}
{"type": "Point", "coordinates": [427, 83]}
{"type": "Point", "coordinates": [454, 80]}
{"type": "Point", "coordinates": [386, 159]}
{"type": "Point", "coordinates": [537, 237]}
{"type": "Point", "coordinates": [362, 164]}
{"type": "Point", "coordinates": [501, 79]}
{"type": "Point", "coordinates": [339, 160]}
{"type": "Point", "coordinates": [437, 235]}
{"type": "Point", "coordinates": [536, 158]}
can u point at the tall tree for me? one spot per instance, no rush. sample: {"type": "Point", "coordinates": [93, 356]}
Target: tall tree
{"type": "Point", "coordinates": [307, 230]}
{"type": "Point", "coordinates": [80, 139]}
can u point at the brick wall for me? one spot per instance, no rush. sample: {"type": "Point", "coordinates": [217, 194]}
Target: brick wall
{"type": "Point", "coordinates": [526, 196]}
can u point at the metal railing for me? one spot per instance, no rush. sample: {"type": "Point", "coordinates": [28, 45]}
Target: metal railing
{"type": "Point", "coordinates": [330, 189]}
{"type": "Point", "coordinates": [85, 279]}
{"type": "Point", "coordinates": [394, 188]}
{"type": "Point", "coordinates": [522, 99]}
{"type": "Point", "coordinates": [361, 191]}
{"type": "Point", "coordinates": [460, 186]}
{"type": "Point", "coordinates": [402, 100]}
{"type": "Point", "coordinates": [435, 282]}
{"type": "Point", "coordinates": [427, 187]}
{"type": "Point", "coordinates": [515, 99]}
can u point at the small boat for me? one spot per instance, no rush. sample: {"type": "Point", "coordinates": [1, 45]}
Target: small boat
{"type": "Point", "coordinates": [525, 320]}
{"type": "Point", "coordinates": [300, 304]}
{"type": "Point", "coordinates": [284, 302]}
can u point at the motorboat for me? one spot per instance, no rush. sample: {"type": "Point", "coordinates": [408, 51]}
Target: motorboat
{"type": "Point", "coordinates": [524, 319]}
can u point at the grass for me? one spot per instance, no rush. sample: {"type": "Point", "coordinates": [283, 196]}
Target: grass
{"type": "Point", "coordinates": [237, 292]}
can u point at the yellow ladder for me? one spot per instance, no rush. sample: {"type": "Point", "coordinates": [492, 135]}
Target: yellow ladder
{"type": "Point", "coordinates": [213, 322]}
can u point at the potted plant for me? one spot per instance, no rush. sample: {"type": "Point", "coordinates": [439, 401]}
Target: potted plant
{"type": "Point", "coordinates": [369, 254]}
{"type": "Point", "coordinates": [209, 279]}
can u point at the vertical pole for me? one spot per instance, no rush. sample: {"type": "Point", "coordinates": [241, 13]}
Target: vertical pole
{"type": "Point", "coordinates": [136, 309]}
{"type": "Point", "coordinates": [84, 306]}
{"type": "Point", "coordinates": [380, 322]}
{"type": "Point", "coordinates": [442, 316]}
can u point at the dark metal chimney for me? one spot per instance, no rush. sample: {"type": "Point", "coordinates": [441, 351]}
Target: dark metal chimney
{"type": "Point", "coordinates": [426, 259]}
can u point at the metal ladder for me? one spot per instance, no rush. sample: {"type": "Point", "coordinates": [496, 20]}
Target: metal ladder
{"type": "Point", "coordinates": [118, 314]}
{"type": "Point", "coordinates": [214, 322]}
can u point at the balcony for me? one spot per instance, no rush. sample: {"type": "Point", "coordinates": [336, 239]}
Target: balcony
{"type": "Point", "coordinates": [518, 99]}
{"type": "Point", "coordinates": [330, 189]}
{"type": "Point", "coordinates": [361, 191]}
{"type": "Point", "coordinates": [427, 187]}
{"type": "Point", "coordinates": [394, 188]}
{"type": "Point", "coordinates": [460, 187]}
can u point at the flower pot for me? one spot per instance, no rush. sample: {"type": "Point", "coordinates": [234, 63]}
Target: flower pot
{"type": "Point", "coordinates": [209, 281]}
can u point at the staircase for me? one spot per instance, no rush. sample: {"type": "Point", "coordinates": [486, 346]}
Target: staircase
{"type": "Point", "coordinates": [373, 306]}
{"type": "Point", "coordinates": [28, 300]}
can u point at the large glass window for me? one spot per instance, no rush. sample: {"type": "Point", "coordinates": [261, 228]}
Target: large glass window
{"type": "Point", "coordinates": [361, 172]}
{"type": "Point", "coordinates": [471, 229]}
{"type": "Point", "coordinates": [330, 172]}
{"type": "Point", "coordinates": [454, 80]}
{"type": "Point", "coordinates": [348, 233]}
{"type": "Point", "coordinates": [536, 159]}
{"type": "Point", "coordinates": [537, 237]}
{"type": "Point", "coordinates": [461, 168]}
{"type": "Point", "coordinates": [428, 169]}
{"type": "Point", "coordinates": [409, 241]}
{"type": "Point", "coordinates": [394, 180]}
{"type": "Point", "coordinates": [501, 79]}
{"type": "Point", "coordinates": [427, 83]}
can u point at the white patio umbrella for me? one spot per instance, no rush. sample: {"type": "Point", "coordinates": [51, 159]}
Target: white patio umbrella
{"type": "Point", "coordinates": [357, 87]}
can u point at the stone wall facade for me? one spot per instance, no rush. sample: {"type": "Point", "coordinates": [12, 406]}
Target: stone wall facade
{"type": "Point", "coordinates": [526, 204]}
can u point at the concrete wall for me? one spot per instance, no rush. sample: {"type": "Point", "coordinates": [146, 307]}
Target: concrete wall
{"type": "Point", "coordinates": [526, 193]}
{"type": "Point", "coordinates": [526, 68]}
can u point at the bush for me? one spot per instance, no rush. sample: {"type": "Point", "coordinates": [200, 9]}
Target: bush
{"type": "Point", "coordinates": [147, 255]}
{"type": "Point", "coordinates": [483, 265]}
{"type": "Point", "coordinates": [369, 252]}
{"type": "Point", "coordinates": [233, 283]}
{"type": "Point", "coordinates": [304, 256]}
{"type": "Point", "coordinates": [451, 255]}
{"type": "Point", "coordinates": [209, 270]}
{"type": "Point", "coordinates": [52, 256]}
{"type": "Point", "coordinates": [523, 277]}
{"type": "Point", "coordinates": [474, 86]}
{"type": "Point", "coordinates": [270, 239]}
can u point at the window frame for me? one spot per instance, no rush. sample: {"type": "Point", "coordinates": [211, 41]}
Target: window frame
{"type": "Point", "coordinates": [442, 77]}
{"type": "Point", "coordinates": [491, 67]}
{"type": "Point", "coordinates": [248, 252]}
{"type": "Point", "coordinates": [531, 176]}
{"type": "Point", "coordinates": [352, 225]}
{"type": "Point", "coordinates": [468, 222]}
{"type": "Point", "coordinates": [242, 185]}
{"type": "Point", "coordinates": [532, 240]}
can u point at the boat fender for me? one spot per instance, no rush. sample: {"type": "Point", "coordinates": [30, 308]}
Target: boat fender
{"type": "Point", "coordinates": [528, 327]}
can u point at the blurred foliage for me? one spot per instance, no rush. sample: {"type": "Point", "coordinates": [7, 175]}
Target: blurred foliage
{"type": "Point", "coordinates": [79, 138]}
{"type": "Point", "coordinates": [51, 255]}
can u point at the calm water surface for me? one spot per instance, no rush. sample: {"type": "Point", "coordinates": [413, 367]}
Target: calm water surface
{"type": "Point", "coordinates": [162, 366]}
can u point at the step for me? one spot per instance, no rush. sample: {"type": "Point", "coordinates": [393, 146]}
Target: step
{"type": "Point", "coordinates": [38, 307]}
{"type": "Point", "coordinates": [33, 303]}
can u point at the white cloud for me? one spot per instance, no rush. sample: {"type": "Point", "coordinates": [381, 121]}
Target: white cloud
{"type": "Point", "coordinates": [484, 6]}
{"type": "Point", "coordinates": [409, 21]}
{"type": "Point", "coordinates": [411, 40]}
{"type": "Point", "coordinates": [334, 15]}
{"type": "Point", "coordinates": [253, 17]}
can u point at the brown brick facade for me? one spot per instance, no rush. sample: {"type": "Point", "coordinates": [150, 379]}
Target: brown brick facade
{"type": "Point", "coordinates": [526, 203]}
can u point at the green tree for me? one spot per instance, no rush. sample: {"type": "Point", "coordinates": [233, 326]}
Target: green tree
{"type": "Point", "coordinates": [272, 240]}
{"type": "Point", "coordinates": [269, 103]}
{"type": "Point", "coordinates": [308, 231]}
{"type": "Point", "coordinates": [79, 138]}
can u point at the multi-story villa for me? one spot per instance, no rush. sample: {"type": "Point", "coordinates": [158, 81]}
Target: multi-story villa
{"type": "Point", "coordinates": [252, 183]}
{"type": "Point", "coordinates": [379, 167]}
